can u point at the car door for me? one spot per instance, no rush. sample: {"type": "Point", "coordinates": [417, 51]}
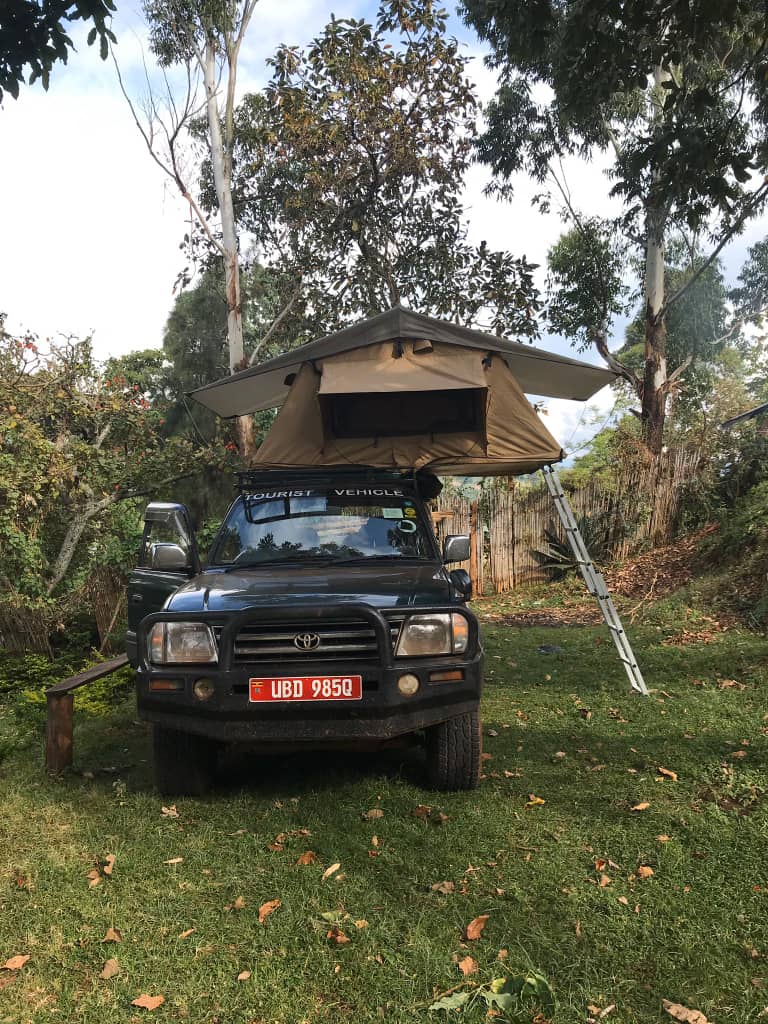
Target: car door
{"type": "Point", "coordinates": [168, 557]}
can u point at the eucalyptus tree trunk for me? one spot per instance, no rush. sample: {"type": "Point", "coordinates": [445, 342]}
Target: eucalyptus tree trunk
{"type": "Point", "coordinates": [221, 163]}
{"type": "Point", "coordinates": [655, 378]}
{"type": "Point", "coordinates": [654, 397]}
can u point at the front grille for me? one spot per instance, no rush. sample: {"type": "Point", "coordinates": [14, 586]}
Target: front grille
{"type": "Point", "coordinates": [350, 639]}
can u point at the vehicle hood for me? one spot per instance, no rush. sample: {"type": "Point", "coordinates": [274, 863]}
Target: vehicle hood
{"type": "Point", "coordinates": [382, 585]}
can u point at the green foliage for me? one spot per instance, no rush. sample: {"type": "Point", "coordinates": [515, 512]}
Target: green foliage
{"type": "Point", "coordinates": [348, 173]}
{"type": "Point", "coordinates": [707, 130]}
{"type": "Point", "coordinates": [508, 995]}
{"type": "Point", "coordinates": [33, 37]}
{"type": "Point", "coordinates": [677, 94]}
{"type": "Point", "coordinates": [598, 530]}
{"type": "Point", "coordinates": [586, 281]}
{"type": "Point", "coordinates": [80, 453]}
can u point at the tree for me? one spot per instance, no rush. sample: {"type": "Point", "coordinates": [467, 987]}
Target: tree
{"type": "Point", "coordinates": [33, 36]}
{"type": "Point", "coordinates": [205, 38]}
{"type": "Point", "coordinates": [348, 174]}
{"type": "Point", "coordinates": [76, 444]}
{"type": "Point", "coordinates": [677, 92]}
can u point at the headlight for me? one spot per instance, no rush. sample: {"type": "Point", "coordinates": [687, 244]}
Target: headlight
{"type": "Point", "coordinates": [425, 635]}
{"type": "Point", "coordinates": [178, 642]}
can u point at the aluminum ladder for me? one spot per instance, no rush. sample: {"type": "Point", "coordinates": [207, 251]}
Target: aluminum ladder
{"type": "Point", "coordinates": [594, 580]}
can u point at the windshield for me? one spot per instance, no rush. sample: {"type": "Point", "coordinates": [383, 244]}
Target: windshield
{"type": "Point", "coordinates": [333, 524]}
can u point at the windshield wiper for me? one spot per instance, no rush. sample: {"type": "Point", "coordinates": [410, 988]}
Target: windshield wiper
{"type": "Point", "coordinates": [379, 558]}
{"type": "Point", "coordinates": [272, 562]}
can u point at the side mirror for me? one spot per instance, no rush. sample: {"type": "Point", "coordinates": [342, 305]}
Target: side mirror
{"type": "Point", "coordinates": [461, 579]}
{"type": "Point", "coordinates": [169, 557]}
{"type": "Point", "coordinates": [168, 543]}
{"type": "Point", "coordinates": [456, 548]}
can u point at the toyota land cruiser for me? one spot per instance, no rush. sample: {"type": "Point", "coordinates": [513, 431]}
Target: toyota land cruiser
{"type": "Point", "coordinates": [324, 617]}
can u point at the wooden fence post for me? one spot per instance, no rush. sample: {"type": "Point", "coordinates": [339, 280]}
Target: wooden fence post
{"type": "Point", "coordinates": [474, 552]}
{"type": "Point", "coordinates": [58, 731]}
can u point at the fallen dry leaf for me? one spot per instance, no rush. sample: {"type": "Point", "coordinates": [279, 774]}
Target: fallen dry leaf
{"type": "Point", "coordinates": [186, 933]}
{"type": "Point", "coordinates": [373, 814]}
{"type": "Point", "coordinates": [475, 927]}
{"type": "Point", "coordinates": [169, 812]}
{"type": "Point", "coordinates": [641, 806]}
{"type": "Point", "coordinates": [644, 871]}
{"type": "Point", "coordinates": [623, 900]}
{"type": "Point", "coordinates": [94, 878]}
{"type": "Point", "coordinates": [336, 935]}
{"type": "Point", "coordinates": [237, 904]}
{"type": "Point", "coordinates": [331, 870]}
{"type": "Point", "coordinates": [174, 860]}
{"type": "Point", "coordinates": [113, 935]}
{"type": "Point", "coordinates": [503, 954]}
{"type": "Point", "coordinates": [308, 857]}
{"type": "Point", "coordinates": [362, 923]}
{"type": "Point", "coordinates": [467, 966]}
{"type": "Point", "coordinates": [243, 975]}
{"type": "Point", "coordinates": [110, 969]}
{"type": "Point", "coordinates": [446, 888]}
{"type": "Point", "coordinates": [534, 801]}
{"type": "Point", "coordinates": [148, 1002]}
{"type": "Point", "coordinates": [662, 838]}
{"type": "Point", "coordinates": [739, 753]}
{"type": "Point", "coordinates": [268, 908]}
{"type": "Point", "coordinates": [422, 811]}
{"type": "Point", "coordinates": [667, 773]}
{"type": "Point", "coordinates": [605, 881]}
{"type": "Point", "coordinates": [682, 1013]}
{"type": "Point", "coordinates": [15, 963]}
{"type": "Point", "coordinates": [109, 864]}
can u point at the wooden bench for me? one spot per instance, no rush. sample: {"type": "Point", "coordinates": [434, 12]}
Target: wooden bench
{"type": "Point", "coordinates": [60, 700]}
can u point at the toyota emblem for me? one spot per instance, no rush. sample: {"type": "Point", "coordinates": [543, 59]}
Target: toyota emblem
{"type": "Point", "coordinates": [306, 641]}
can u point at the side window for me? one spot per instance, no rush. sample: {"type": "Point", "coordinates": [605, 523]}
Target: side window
{"type": "Point", "coordinates": [165, 544]}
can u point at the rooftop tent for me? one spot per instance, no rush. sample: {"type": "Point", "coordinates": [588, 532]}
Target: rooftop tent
{"type": "Point", "coordinates": [405, 390]}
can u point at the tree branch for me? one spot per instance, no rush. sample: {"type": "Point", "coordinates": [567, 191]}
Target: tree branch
{"type": "Point", "coordinates": [758, 197]}
{"type": "Point", "coordinates": [276, 323]}
{"type": "Point", "coordinates": [172, 169]}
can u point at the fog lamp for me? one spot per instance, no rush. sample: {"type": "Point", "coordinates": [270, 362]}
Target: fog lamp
{"type": "Point", "coordinates": [408, 684]}
{"type": "Point", "coordinates": [203, 689]}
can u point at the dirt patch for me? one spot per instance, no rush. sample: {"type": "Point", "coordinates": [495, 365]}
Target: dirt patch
{"type": "Point", "coordinates": [579, 615]}
{"type": "Point", "coordinates": [659, 572]}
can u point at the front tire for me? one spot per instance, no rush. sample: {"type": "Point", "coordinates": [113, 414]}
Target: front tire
{"type": "Point", "coordinates": [184, 762]}
{"type": "Point", "coordinates": [454, 751]}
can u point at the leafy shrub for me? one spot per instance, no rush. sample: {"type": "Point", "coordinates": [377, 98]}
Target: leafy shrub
{"type": "Point", "coordinates": [599, 531]}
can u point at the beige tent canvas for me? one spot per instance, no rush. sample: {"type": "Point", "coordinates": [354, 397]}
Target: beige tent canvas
{"type": "Point", "coordinates": [405, 391]}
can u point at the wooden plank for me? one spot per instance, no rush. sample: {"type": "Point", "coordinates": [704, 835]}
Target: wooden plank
{"type": "Point", "coordinates": [58, 731]}
{"type": "Point", "coordinates": [104, 668]}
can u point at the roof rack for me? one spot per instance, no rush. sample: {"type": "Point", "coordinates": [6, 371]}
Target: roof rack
{"type": "Point", "coordinates": [249, 479]}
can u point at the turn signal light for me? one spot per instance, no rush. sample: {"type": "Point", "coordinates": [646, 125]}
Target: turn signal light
{"type": "Point", "coordinates": [454, 675]}
{"type": "Point", "coordinates": [166, 685]}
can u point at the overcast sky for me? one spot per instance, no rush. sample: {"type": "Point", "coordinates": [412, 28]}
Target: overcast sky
{"type": "Point", "coordinates": [91, 228]}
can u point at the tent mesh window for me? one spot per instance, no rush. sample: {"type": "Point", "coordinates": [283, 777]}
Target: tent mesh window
{"type": "Point", "coordinates": [406, 414]}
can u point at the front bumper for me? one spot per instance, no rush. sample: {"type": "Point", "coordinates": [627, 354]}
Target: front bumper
{"type": "Point", "coordinates": [382, 714]}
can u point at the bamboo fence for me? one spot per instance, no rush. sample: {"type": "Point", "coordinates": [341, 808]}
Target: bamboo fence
{"type": "Point", "coordinates": [641, 508]}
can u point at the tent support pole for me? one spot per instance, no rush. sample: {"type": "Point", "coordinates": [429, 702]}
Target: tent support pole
{"type": "Point", "coordinates": [594, 580]}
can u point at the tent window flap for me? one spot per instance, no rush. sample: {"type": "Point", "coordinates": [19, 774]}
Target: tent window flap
{"type": "Point", "coordinates": [408, 414]}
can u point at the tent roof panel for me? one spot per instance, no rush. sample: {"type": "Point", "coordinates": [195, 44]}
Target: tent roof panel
{"type": "Point", "coordinates": [538, 372]}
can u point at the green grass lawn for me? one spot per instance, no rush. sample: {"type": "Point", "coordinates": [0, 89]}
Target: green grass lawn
{"type": "Point", "coordinates": [560, 726]}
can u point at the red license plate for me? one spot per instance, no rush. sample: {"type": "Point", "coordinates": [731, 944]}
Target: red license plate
{"type": "Point", "coordinates": [302, 688]}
